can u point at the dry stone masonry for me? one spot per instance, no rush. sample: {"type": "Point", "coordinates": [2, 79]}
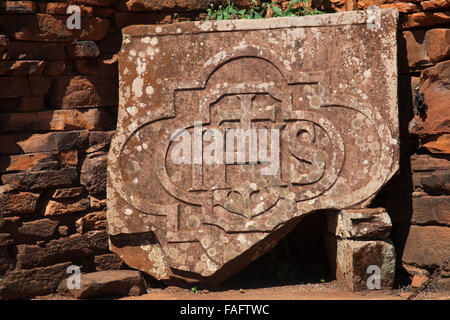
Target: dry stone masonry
{"type": "Point", "coordinates": [322, 89]}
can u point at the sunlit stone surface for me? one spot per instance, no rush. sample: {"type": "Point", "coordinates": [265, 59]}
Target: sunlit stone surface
{"type": "Point", "coordinates": [230, 131]}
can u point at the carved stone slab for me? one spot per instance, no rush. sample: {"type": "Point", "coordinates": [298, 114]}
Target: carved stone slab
{"type": "Point", "coordinates": [230, 131]}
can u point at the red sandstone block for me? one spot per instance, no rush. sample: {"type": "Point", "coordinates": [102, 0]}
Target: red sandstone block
{"type": "Point", "coordinates": [97, 67]}
{"type": "Point", "coordinates": [56, 120]}
{"type": "Point", "coordinates": [23, 104]}
{"type": "Point", "coordinates": [425, 19]}
{"type": "Point", "coordinates": [84, 92]}
{"type": "Point", "coordinates": [61, 8]}
{"type": "Point", "coordinates": [28, 50]}
{"type": "Point", "coordinates": [46, 27]}
{"type": "Point", "coordinates": [437, 42]}
{"type": "Point", "coordinates": [434, 4]}
{"type": "Point", "coordinates": [18, 6]}
{"type": "Point", "coordinates": [46, 142]}
{"type": "Point", "coordinates": [426, 246]}
{"type": "Point", "coordinates": [22, 67]}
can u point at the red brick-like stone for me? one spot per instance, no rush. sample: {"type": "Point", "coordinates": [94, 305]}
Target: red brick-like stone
{"type": "Point", "coordinates": [65, 206]}
{"type": "Point", "coordinates": [22, 104]}
{"type": "Point", "coordinates": [67, 193]}
{"type": "Point", "coordinates": [43, 179]}
{"type": "Point", "coordinates": [434, 128]}
{"type": "Point", "coordinates": [18, 203]}
{"type": "Point", "coordinates": [427, 246]}
{"type": "Point", "coordinates": [438, 44]}
{"type": "Point", "coordinates": [426, 19]}
{"type": "Point", "coordinates": [91, 119]}
{"type": "Point", "coordinates": [45, 280]}
{"type": "Point", "coordinates": [46, 27]}
{"type": "Point", "coordinates": [22, 67]}
{"type": "Point", "coordinates": [42, 229]}
{"type": "Point", "coordinates": [219, 219]}
{"type": "Point", "coordinates": [434, 4]}
{"type": "Point", "coordinates": [83, 49]}
{"type": "Point", "coordinates": [415, 49]}
{"type": "Point", "coordinates": [28, 161]}
{"type": "Point", "coordinates": [92, 221]}
{"type": "Point", "coordinates": [431, 210]}
{"type": "Point", "coordinates": [54, 141]}
{"type": "Point", "coordinates": [107, 283]}
{"type": "Point", "coordinates": [36, 50]}
{"type": "Point", "coordinates": [84, 92]}
{"type": "Point", "coordinates": [93, 173]}
{"type": "Point", "coordinates": [61, 8]}
{"type": "Point", "coordinates": [18, 6]}
{"type": "Point", "coordinates": [425, 162]}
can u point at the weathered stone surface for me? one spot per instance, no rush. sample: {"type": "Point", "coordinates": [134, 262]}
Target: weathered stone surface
{"type": "Point", "coordinates": [425, 162]}
{"type": "Point", "coordinates": [30, 283]}
{"type": "Point", "coordinates": [360, 223]}
{"type": "Point", "coordinates": [434, 128]}
{"type": "Point", "coordinates": [97, 203]}
{"type": "Point", "coordinates": [110, 261]}
{"type": "Point", "coordinates": [22, 67]}
{"type": "Point", "coordinates": [438, 44]}
{"type": "Point", "coordinates": [54, 141]}
{"type": "Point", "coordinates": [97, 67]}
{"type": "Point", "coordinates": [54, 120]}
{"type": "Point", "coordinates": [42, 229]}
{"type": "Point", "coordinates": [83, 49]}
{"type": "Point", "coordinates": [426, 246]}
{"type": "Point", "coordinates": [401, 6]}
{"type": "Point", "coordinates": [67, 193]}
{"type": "Point", "coordinates": [99, 140]}
{"type": "Point", "coordinates": [98, 241]}
{"type": "Point", "coordinates": [425, 19]}
{"type": "Point", "coordinates": [106, 284]}
{"type": "Point", "coordinates": [350, 260]}
{"type": "Point", "coordinates": [124, 19]}
{"type": "Point", "coordinates": [163, 5]}
{"type": "Point", "coordinates": [19, 86]}
{"type": "Point", "coordinates": [59, 207]}
{"type": "Point", "coordinates": [18, 6]}
{"type": "Point", "coordinates": [22, 104]}
{"type": "Point", "coordinates": [69, 248]}
{"type": "Point", "coordinates": [5, 259]}
{"type": "Point", "coordinates": [434, 4]}
{"type": "Point", "coordinates": [431, 210]}
{"type": "Point", "coordinates": [415, 49]}
{"type": "Point", "coordinates": [61, 8]}
{"type": "Point", "coordinates": [93, 173]}
{"type": "Point", "coordinates": [439, 144]}
{"type": "Point", "coordinates": [91, 221]}
{"type": "Point", "coordinates": [28, 161]}
{"type": "Point", "coordinates": [84, 92]}
{"type": "Point", "coordinates": [36, 50]}
{"type": "Point", "coordinates": [17, 202]}
{"type": "Point", "coordinates": [46, 27]}
{"type": "Point", "coordinates": [43, 179]}
{"type": "Point", "coordinates": [418, 281]}
{"type": "Point", "coordinates": [433, 183]}
{"type": "Point", "coordinates": [211, 220]}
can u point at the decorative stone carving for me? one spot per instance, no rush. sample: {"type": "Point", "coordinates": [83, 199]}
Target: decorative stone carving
{"type": "Point", "coordinates": [189, 198]}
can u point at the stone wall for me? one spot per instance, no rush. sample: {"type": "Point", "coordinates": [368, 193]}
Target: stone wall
{"type": "Point", "coordinates": [58, 105]}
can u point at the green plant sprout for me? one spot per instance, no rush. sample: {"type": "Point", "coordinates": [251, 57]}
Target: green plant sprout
{"type": "Point", "coordinates": [267, 10]}
{"type": "Point", "coordinates": [194, 289]}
